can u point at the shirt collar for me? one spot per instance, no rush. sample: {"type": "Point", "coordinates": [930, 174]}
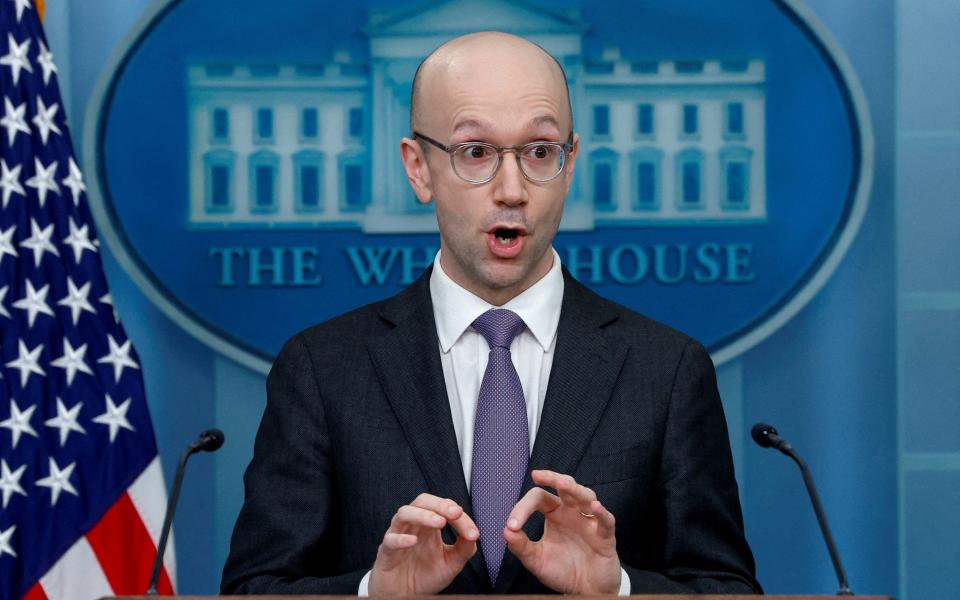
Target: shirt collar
{"type": "Point", "coordinates": [454, 308]}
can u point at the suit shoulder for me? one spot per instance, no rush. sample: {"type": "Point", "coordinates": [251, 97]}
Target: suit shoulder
{"type": "Point", "coordinates": [637, 327]}
{"type": "Point", "coordinates": [348, 333]}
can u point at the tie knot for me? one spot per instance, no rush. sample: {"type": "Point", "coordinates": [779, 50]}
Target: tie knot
{"type": "Point", "coordinates": [499, 326]}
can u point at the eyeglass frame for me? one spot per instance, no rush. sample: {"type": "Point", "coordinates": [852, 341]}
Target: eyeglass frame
{"type": "Point", "coordinates": [517, 150]}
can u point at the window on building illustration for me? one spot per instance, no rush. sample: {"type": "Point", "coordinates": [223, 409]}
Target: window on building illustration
{"type": "Point", "coordinates": [601, 120]}
{"type": "Point", "coordinates": [309, 187]}
{"type": "Point", "coordinates": [646, 184]}
{"type": "Point", "coordinates": [264, 198]}
{"type": "Point", "coordinates": [218, 184]}
{"type": "Point", "coordinates": [645, 119]}
{"type": "Point", "coordinates": [355, 122]}
{"type": "Point", "coordinates": [263, 169]}
{"type": "Point", "coordinates": [690, 183]}
{"type": "Point", "coordinates": [353, 183]}
{"type": "Point", "coordinates": [645, 190]}
{"type": "Point", "coordinates": [220, 187]}
{"type": "Point", "coordinates": [308, 181]}
{"type": "Point", "coordinates": [264, 124]}
{"type": "Point", "coordinates": [734, 120]}
{"type": "Point", "coordinates": [353, 186]}
{"type": "Point", "coordinates": [221, 125]}
{"type": "Point", "coordinates": [309, 125]}
{"type": "Point", "coordinates": [690, 119]}
{"type": "Point", "coordinates": [736, 176]}
{"type": "Point", "coordinates": [603, 186]}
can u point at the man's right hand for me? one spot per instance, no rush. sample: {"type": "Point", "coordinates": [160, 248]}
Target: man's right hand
{"type": "Point", "coordinates": [412, 559]}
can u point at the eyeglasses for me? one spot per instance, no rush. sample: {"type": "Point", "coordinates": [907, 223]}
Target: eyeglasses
{"type": "Point", "coordinates": [478, 162]}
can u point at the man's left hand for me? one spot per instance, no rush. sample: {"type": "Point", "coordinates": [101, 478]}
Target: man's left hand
{"type": "Point", "coordinates": [578, 551]}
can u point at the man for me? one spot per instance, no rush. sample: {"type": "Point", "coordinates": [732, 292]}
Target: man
{"type": "Point", "coordinates": [394, 450]}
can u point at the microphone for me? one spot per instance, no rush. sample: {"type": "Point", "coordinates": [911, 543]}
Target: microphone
{"type": "Point", "coordinates": [767, 436]}
{"type": "Point", "coordinates": [208, 441]}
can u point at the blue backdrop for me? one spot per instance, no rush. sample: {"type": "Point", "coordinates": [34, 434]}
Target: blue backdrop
{"type": "Point", "coordinates": [864, 380]}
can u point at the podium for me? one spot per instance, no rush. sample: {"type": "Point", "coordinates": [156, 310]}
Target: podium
{"type": "Point", "coordinates": [540, 597]}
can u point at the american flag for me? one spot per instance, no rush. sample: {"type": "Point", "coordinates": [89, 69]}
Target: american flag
{"type": "Point", "coordinates": [81, 489]}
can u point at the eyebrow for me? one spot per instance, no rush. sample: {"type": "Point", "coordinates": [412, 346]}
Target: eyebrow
{"type": "Point", "coordinates": [545, 119]}
{"type": "Point", "coordinates": [467, 124]}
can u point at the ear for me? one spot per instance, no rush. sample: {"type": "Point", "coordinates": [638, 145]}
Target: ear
{"type": "Point", "coordinates": [570, 162]}
{"type": "Point", "coordinates": [418, 171]}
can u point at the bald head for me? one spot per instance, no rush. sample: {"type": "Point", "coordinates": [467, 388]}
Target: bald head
{"type": "Point", "coordinates": [479, 57]}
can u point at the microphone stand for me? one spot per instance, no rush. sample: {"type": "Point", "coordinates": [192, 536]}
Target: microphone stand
{"type": "Point", "coordinates": [209, 441]}
{"type": "Point", "coordinates": [821, 518]}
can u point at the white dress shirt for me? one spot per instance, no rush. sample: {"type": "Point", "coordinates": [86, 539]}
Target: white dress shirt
{"type": "Point", "coordinates": [464, 353]}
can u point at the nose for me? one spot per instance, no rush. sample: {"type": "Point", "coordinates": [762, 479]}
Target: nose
{"type": "Point", "coordinates": [510, 184]}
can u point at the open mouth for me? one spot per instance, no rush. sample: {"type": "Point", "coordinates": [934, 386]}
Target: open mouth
{"type": "Point", "coordinates": [505, 236]}
{"type": "Point", "coordinates": [506, 242]}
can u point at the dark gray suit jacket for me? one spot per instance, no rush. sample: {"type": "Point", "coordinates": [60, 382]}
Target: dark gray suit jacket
{"type": "Point", "coordinates": [358, 423]}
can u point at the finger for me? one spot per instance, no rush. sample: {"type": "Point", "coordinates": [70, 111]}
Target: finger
{"type": "Point", "coordinates": [606, 522]}
{"type": "Point", "coordinates": [521, 545]}
{"type": "Point", "coordinates": [408, 517]}
{"type": "Point", "coordinates": [398, 541]}
{"type": "Point", "coordinates": [445, 507]}
{"type": "Point", "coordinates": [462, 550]}
{"type": "Point", "coordinates": [535, 500]}
{"type": "Point", "coordinates": [571, 493]}
{"type": "Point", "coordinates": [465, 527]}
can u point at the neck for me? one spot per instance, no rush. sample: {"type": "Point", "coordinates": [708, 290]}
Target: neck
{"type": "Point", "coordinates": [497, 296]}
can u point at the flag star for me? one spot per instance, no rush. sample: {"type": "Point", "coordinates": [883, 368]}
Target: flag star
{"type": "Point", "coordinates": [76, 299]}
{"type": "Point", "coordinates": [72, 360]}
{"type": "Point", "coordinates": [13, 120]}
{"type": "Point", "coordinates": [58, 481]}
{"type": "Point", "coordinates": [39, 241]}
{"type": "Point", "coordinates": [108, 299]}
{"type": "Point", "coordinates": [3, 296]}
{"type": "Point", "coordinates": [26, 363]}
{"type": "Point", "coordinates": [79, 240]}
{"type": "Point", "coordinates": [43, 180]}
{"type": "Point", "coordinates": [66, 420]}
{"type": "Point", "coordinates": [74, 181]}
{"type": "Point", "coordinates": [10, 481]}
{"type": "Point", "coordinates": [5, 246]}
{"type": "Point", "coordinates": [10, 181]}
{"type": "Point", "coordinates": [5, 542]}
{"type": "Point", "coordinates": [45, 59]}
{"type": "Point", "coordinates": [119, 356]}
{"type": "Point", "coordinates": [35, 302]}
{"type": "Point", "coordinates": [19, 422]}
{"type": "Point", "coordinates": [44, 119]}
{"type": "Point", "coordinates": [115, 417]}
{"type": "Point", "coordinates": [21, 6]}
{"type": "Point", "coordinates": [16, 57]}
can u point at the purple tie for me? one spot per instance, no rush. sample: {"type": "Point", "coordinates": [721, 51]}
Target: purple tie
{"type": "Point", "coordinates": [501, 442]}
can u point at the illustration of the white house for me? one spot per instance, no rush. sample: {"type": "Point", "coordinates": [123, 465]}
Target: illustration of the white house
{"type": "Point", "coordinates": [678, 141]}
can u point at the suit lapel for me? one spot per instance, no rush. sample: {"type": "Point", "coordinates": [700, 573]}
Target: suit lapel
{"type": "Point", "coordinates": [407, 360]}
{"type": "Point", "coordinates": [585, 369]}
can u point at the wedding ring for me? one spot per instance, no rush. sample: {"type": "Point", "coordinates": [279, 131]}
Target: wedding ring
{"type": "Point", "coordinates": [587, 516]}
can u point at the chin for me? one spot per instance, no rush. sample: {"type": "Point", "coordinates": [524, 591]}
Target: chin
{"type": "Point", "coordinates": [504, 277]}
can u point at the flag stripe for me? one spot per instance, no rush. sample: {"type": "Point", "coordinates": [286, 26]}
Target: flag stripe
{"type": "Point", "coordinates": [144, 492]}
{"type": "Point", "coordinates": [125, 550]}
{"type": "Point", "coordinates": [35, 593]}
{"type": "Point", "coordinates": [77, 575]}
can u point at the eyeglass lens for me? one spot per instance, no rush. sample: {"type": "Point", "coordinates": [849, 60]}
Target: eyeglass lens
{"type": "Point", "coordinates": [479, 162]}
